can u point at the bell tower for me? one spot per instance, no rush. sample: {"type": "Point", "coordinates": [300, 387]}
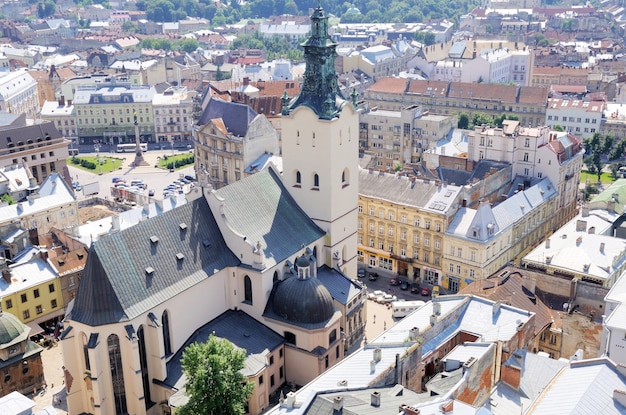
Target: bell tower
{"type": "Point", "coordinates": [320, 134]}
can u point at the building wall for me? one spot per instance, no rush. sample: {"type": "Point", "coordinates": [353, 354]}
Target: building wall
{"type": "Point", "coordinates": [41, 299]}
{"type": "Point", "coordinates": [415, 236]}
{"type": "Point", "coordinates": [328, 148]}
{"type": "Point", "coordinates": [24, 375]}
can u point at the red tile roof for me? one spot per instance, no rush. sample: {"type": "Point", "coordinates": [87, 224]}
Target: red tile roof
{"type": "Point", "coordinates": [390, 85]}
{"type": "Point", "coordinates": [533, 95]}
{"type": "Point", "coordinates": [438, 88]}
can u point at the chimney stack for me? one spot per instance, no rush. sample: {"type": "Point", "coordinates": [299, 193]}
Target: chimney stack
{"type": "Point", "coordinates": [375, 399]}
{"type": "Point", "coordinates": [602, 247]}
{"type": "Point", "coordinates": [6, 274]}
{"type": "Point", "coordinates": [338, 405]}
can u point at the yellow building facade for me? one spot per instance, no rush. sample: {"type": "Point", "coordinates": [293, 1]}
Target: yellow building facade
{"type": "Point", "coordinates": [402, 222]}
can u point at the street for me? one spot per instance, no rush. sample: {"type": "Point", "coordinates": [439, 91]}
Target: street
{"type": "Point", "coordinates": [383, 284]}
{"type": "Point", "coordinates": [154, 178]}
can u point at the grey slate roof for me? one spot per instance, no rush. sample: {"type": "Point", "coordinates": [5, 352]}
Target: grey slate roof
{"type": "Point", "coordinates": [237, 117]}
{"type": "Point", "coordinates": [34, 132]}
{"type": "Point", "coordinates": [399, 189]}
{"type": "Point", "coordinates": [238, 328]}
{"type": "Point", "coordinates": [260, 208]}
{"type": "Point", "coordinates": [340, 287]}
{"type": "Point", "coordinates": [116, 286]}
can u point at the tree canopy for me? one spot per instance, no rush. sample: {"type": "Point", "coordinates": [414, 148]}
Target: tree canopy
{"type": "Point", "coordinates": [396, 11]}
{"type": "Point", "coordinates": [215, 385]}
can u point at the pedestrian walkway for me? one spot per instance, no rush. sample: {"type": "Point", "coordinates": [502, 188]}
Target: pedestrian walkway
{"type": "Point", "coordinates": [54, 393]}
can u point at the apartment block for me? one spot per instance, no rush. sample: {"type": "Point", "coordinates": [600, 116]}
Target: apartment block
{"type": "Point", "coordinates": [402, 222]}
{"type": "Point", "coordinates": [582, 118]}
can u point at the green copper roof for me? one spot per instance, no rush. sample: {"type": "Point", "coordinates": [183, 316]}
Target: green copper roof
{"type": "Point", "coordinates": [320, 91]}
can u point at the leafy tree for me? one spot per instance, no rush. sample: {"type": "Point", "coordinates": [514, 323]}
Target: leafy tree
{"type": "Point", "coordinates": [6, 198]}
{"type": "Point", "coordinates": [595, 146]}
{"type": "Point", "coordinates": [185, 45]}
{"type": "Point", "coordinates": [45, 9]}
{"type": "Point", "coordinates": [463, 121]}
{"type": "Point", "coordinates": [215, 384]}
{"type": "Point", "coordinates": [480, 118]}
{"type": "Point", "coordinates": [130, 27]}
{"type": "Point", "coordinates": [559, 128]}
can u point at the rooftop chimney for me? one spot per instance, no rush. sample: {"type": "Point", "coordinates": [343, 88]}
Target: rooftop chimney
{"type": "Point", "coordinates": [447, 406]}
{"type": "Point", "coordinates": [413, 333]}
{"type": "Point", "coordinates": [6, 274]}
{"type": "Point", "coordinates": [62, 101]}
{"type": "Point", "coordinates": [436, 307]}
{"type": "Point", "coordinates": [602, 247]}
{"type": "Point", "coordinates": [548, 243]}
{"type": "Point", "coordinates": [619, 396]}
{"type": "Point", "coordinates": [338, 405]}
{"type": "Point", "coordinates": [496, 308]}
{"type": "Point", "coordinates": [375, 399]}
{"type": "Point", "coordinates": [411, 410]}
{"type": "Point", "coordinates": [433, 319]}
{"type": "Point", "coordinates": [378, 354]}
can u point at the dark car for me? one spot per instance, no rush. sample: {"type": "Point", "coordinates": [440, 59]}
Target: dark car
{"type": "Point", "coordinates": [190, 178]}
{"type": "Point", "coordinates": [360, 273]}
{"type": "Point", "coordinates": [415, 288]}
{"type": "Point", "coordinates": [425, 291]}
{"type": "Point", "coordinates": [404, 286]}
{"type": "Point", "coordinates": [373, 276]}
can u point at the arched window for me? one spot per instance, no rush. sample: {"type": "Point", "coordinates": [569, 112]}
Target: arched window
{"type": "Point", "coordinates": [315, 252]}
{"type": "Point", "coordinates": [86, 352]}
{"type": "Point", "coordinates": [298, 178]}
{"type": "Point", "coordinates": [316, 181]}
{"type": "Point", "coordinates": [143, 363]}
{"type": "Point", "coordinates": [247, 288]}
{"type": "Point", "coordinates": [117, 374]}
{"type": "Point", "coordinates": [167, 339]}
{"type": "Point", "coordinates": [332, 336]}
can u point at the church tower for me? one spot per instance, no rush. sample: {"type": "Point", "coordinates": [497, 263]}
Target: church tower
{"type": "Point", "coordinates": [320, 135]}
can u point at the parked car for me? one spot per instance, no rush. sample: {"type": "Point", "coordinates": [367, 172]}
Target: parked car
{"type": "Point", "coordinates": [404, 286]}
{"type": "Point", "coordinates": [415, 288]}
{"type": "Point", "coordinates": [388, 298]}
{"type": "Point", "coordinates": [190, 178]}
{"type": "Point", "coordinates": [425, 291]}
{"type": "Point", "coordinates": [78, 187]}
{"type": "Point", "coordinates": [395, 281]}
{"type": "Point", "coordinates": [361, 273]}
{"type": "Point", "coordinates": [373, 276]}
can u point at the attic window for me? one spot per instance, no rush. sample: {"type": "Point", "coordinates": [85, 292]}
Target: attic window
{"type": "Point", "coordinates": [180, 256]}
{"type": "Point", "coordinates": [183, 226]}
{"type": "Point", "coordinates": [80, 256]}
{"type": "Point", "coordinates": [61, 261]}
{"type": "Point", "coordinates": [149, 270]}
{"type": "Point", "coordinates": [206, 243]}
{"type": "Point", "coordinates": [154, 239]}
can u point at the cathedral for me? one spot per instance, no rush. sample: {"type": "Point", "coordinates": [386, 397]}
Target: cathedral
{"type": "Point", "coordinates": [265, 262]}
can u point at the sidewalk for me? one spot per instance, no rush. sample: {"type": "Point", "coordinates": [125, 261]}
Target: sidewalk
{"type": "Point", "coordinates": [55, 393]}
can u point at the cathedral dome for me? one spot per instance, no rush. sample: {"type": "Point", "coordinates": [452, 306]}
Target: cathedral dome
{"type": "Point", "coordinates": [303, 300]}
{"type": "Point", "coordinates": [11, 329]}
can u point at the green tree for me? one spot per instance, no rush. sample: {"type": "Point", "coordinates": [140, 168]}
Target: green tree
{"type": "Point", "coordinates": [215, 384]}
{"type": "Point", "coordinates": [480, 118]}
{"type": "Point", "coordinates": [559, 128]}
{"type": "Point", "coordinates": [595, 146]}
{"type": "Point", "coordinates": [6, 198]}
{"type": "Point", "coordinates": [46, 9]}
{"type": "Point", "coordinates": [463, 121]}
{"type": "Point", "coordinates": [130, 27]}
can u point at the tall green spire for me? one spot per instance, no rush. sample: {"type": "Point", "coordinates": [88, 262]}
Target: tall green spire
{"type": "Point", "coordinates": [320, 91]}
